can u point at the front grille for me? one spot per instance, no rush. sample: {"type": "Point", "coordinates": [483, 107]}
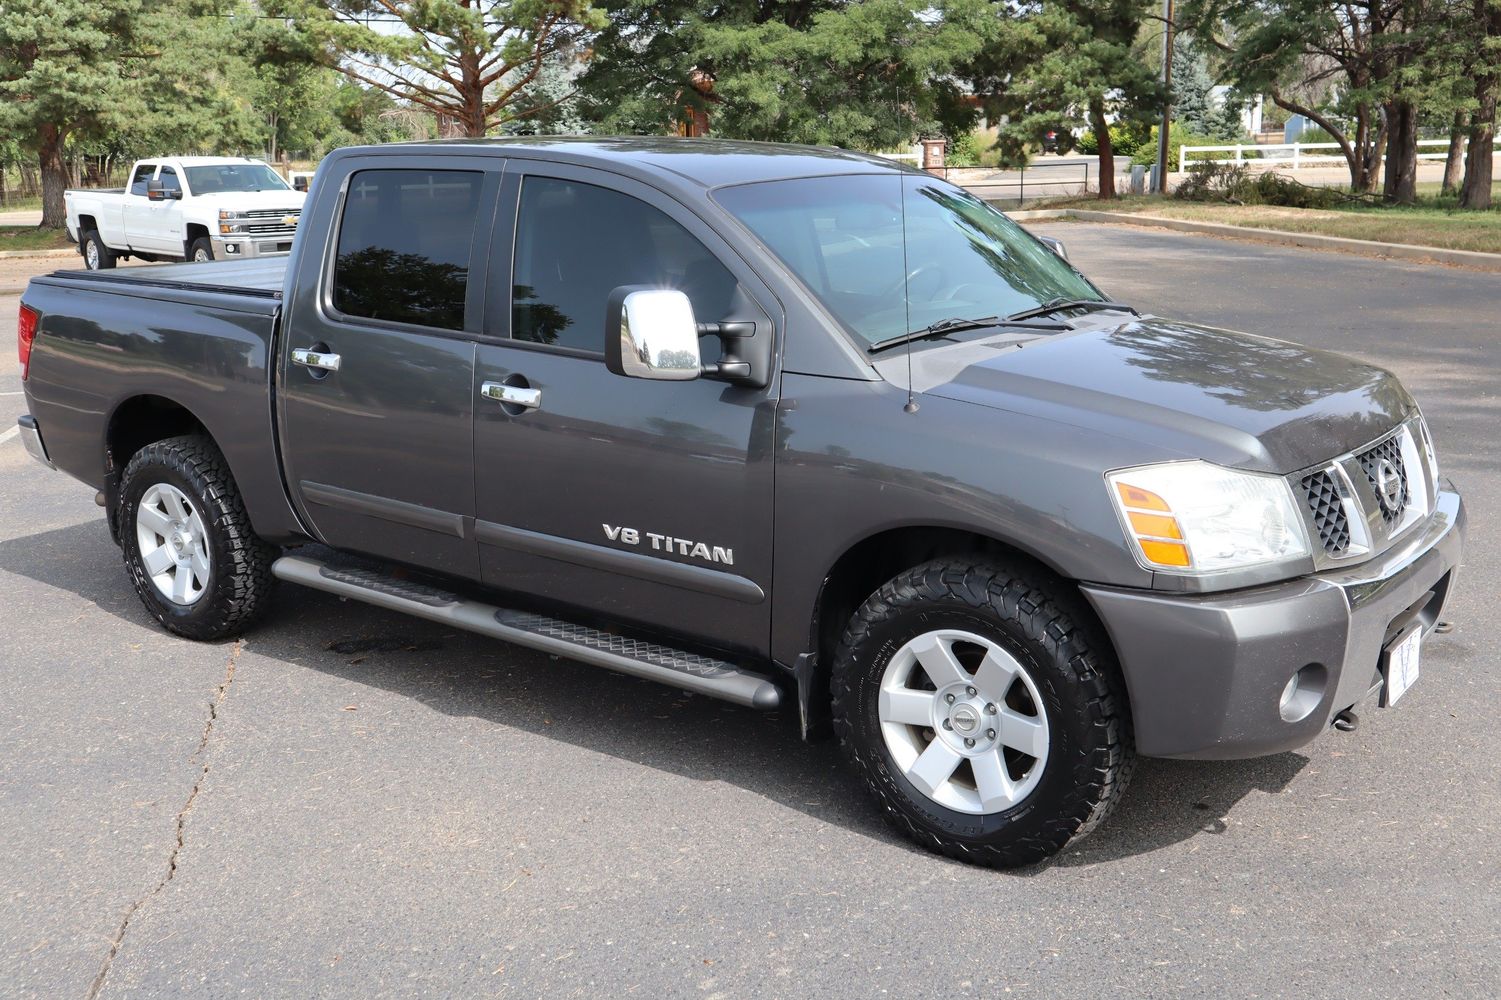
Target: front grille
{"type": "Point", "coordinates": [1387, 474]}
{"type": "Point", "coordinates": [1328, 510]}
{"type": "Point", "coordinates": [270, 222]}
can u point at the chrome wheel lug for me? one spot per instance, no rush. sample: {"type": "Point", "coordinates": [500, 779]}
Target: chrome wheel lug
{"type": "Point", "coordinates": [990, 734]}
{"type": "Point", "coordinates": [990, 709]}
{"type": "Point", "coordinates": [970, 691]}
{"type": "Point", "coordinates": [949, 698]}
{"type": "Point", "coordinates": [968, 742]}
{"type": "Point", "coordinates": [948, 725]}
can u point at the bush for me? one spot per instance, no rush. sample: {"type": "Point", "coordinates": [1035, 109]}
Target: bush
{"type": "Point", "coordinates": [1125, 140]}
{"type": "Point", "coordinates": [965, 150]}
{"type": "Point", "coordinates": [1239, 185]}
{"type": "Point", "coordinates": [1177, 136]}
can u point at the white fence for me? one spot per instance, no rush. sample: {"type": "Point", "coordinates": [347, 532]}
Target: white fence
{"type": "Point", "coordinates": [1292, 154]}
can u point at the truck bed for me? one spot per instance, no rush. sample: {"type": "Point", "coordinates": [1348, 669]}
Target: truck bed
{"type": "Point", "coordinates": [256, 278]}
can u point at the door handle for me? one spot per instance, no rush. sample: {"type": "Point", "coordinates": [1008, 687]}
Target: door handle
{"type": "Point", "coordinates": [315, 359]}
{"type": "Point", "coordinates": [512, 395]}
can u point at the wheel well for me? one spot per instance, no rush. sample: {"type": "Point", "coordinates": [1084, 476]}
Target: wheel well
{"type": "Point", "coordinates": [194, 231]}
{"type": "Point", "coordinates": [85, 223]}
{"type": "Point", "coordinates": [141, 420]}
{"type": "Point", "coordinates": [868, 564]}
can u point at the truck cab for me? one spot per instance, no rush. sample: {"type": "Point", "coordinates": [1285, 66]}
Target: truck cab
{"type": "Point", "coordinates": [196, 208]}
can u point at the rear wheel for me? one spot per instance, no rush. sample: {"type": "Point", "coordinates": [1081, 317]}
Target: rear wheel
{"type": "Point", "coordinates": [983, 716]}
{"type": "Point", "coordinates": [96, 256]}
{"type": "Point", "coordinates": [195, 562]}
{"type": "Point", "coordinates": [201, 250]}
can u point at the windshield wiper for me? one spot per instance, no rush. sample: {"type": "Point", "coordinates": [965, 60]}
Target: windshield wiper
{"type": "Point", "coordinates": [1058, 305]}
{"type": "Point", "coordinates": [956, 324]}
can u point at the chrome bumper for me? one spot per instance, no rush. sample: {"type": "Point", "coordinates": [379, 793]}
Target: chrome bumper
{"type": "Point", "coordinates": [31, 438]}
{"type": "Point", "coordinates": [242, 245]}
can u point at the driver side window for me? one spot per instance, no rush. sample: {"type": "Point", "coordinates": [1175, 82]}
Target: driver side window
{"type": "Point", "coordinates": [139, 180]}
{"type": "Point", "coordinates": [169, 180]}
{"type": "Point", "coordinates": [576, 242]}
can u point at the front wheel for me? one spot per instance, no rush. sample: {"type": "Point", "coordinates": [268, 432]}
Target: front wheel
{"type": "Point", "coordinates": [201, 251]}
{"type": "Point", "coordinates": [986, 720]}
{"type": "Point", "coordinates": [195, 562]}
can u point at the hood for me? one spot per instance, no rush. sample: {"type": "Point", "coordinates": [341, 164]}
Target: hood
{"type": "Point", "coordinates": [252, 200]}
{"type": "Point", "coordinates": [1198, 392]}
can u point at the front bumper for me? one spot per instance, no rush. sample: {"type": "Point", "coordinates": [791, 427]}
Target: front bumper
{"type": "Point", "coordinates": [1206, 673]}
{"type": "Point", "coordinates": [31, 439]}
{"type": "Point", "coordinates": [240, 245]}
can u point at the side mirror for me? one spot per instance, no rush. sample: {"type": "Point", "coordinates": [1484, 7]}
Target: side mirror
{"type": "Point", "coordinates": [156, 190]}
{"type": "Point", "coordinates": [1054, 244]}
{"type": "Point", "coordinates": [650, 333]}
{"type": "Point", "coordinates": [299, 184]}
{"type": "Point", "coordinates": [175, 194]}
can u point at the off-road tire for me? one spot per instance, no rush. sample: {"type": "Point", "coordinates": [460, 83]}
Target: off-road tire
{"type": "Point", "coordinates": [104, 258]}
{"type": "Point", "coordinates": [240, 580]}
{"type": "Point", "coordinates": [1046, 628]}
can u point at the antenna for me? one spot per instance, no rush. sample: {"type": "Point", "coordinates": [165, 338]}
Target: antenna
{"type": "Point", "coordinates": [911, 406]}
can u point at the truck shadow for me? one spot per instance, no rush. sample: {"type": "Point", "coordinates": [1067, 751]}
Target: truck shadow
{"type": "Point", "coordinates": [468, 676]}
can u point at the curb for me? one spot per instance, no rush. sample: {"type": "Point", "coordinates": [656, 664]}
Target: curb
{"type": "Point", "coordinates": [18, 254]}
{"type": "Point", "coordinates": [1281, 237]}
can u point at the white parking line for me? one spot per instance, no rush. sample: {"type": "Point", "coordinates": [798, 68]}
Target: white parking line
{"type": "Point", "coordinates": [9, 434]}
{"type": "Point", "coordinates": [18, 392]}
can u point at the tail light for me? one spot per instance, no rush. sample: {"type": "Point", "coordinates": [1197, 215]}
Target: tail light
{"type": "Point", "coordinates": [26, 325]}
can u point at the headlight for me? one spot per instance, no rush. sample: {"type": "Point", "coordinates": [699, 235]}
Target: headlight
{"type": "Point", "coordinates": [225, 214]}
{"type": "Point", "coordinates": [1196, 519]}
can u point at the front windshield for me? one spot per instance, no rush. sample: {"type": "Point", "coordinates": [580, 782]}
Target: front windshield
{"type": "Point", "coordinates": [223, 177]}
{"type": "Point", "coordinates": [842, 237]}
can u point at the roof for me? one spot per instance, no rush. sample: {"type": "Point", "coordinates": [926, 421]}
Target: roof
{"type": "Point", "coordinates": [706, 162]}
{"type": "Point", "coordinates": [202, 161]}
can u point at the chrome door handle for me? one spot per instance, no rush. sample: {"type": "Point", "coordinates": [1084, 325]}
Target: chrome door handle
{"type": "Point", "coordinates": [513, 395]}
{"type": "Point", "coordinates": [315, 359]}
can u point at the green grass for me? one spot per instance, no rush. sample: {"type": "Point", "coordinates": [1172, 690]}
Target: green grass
{"type": "Point", "coordinates": [1433, 222]}
{"type": "Point", "coordinates": [32, 238]}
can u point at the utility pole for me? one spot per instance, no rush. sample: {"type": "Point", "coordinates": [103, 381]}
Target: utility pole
{"type": "Point", "coordinates": [1159, 184]}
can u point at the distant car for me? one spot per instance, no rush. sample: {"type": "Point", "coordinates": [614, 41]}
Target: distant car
{"type": "Point", "coordinates": [195, 208]}
{"type": "Point", "coordinates": [1057, 140]}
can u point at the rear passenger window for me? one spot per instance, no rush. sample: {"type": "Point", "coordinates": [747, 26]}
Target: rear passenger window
{"type": "Point", "coordinates": [575, 243]}
{"type": "Point", "coordinates": [404, 243]}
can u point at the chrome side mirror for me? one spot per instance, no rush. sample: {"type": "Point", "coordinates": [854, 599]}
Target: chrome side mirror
{"type": "Point", "coordinates": [650, 333]}
{"type": "Point", "coordinates": [1054, 244]}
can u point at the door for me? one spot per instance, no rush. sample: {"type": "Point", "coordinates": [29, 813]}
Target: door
{"type": "Point", "coordinates": [377, 366]}
{"type": "Point", "coordinates": [165, 225]}
{"type": "Point", "coordinates": [635, 500]}
{"type": "Point", "coordinates": [139, 211]}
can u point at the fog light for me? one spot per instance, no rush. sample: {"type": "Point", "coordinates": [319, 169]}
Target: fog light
{"type": "Point", "coordinates": [1303, 692]}
{"type": "Point", "coordinates": [231, 248]}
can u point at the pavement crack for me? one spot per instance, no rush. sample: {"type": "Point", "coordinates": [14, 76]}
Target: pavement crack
{"type": "Point", "coordinates": [215, 703]}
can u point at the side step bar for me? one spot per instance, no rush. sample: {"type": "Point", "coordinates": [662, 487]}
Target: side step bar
{"type": "Point", "coordinates": [550, 635]}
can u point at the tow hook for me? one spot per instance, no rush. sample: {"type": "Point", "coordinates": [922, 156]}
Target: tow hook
{"type": "Point", "coordinates": [1346, 721]}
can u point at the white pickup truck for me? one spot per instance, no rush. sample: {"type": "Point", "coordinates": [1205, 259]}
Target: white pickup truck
{"type": "Point", "coordinates": [195, 208]}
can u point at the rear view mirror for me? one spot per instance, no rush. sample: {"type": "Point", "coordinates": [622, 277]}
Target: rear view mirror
{"type": "Point", "coordinates": [651, 333]}
{"type": "Point", "coordinates": [1054, 244]}
{"type": "Point", "coordinates": [155, 190]}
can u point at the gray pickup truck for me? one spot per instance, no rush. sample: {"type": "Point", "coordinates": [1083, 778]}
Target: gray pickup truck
{"type": "Point", "coordinates": [791, 427]}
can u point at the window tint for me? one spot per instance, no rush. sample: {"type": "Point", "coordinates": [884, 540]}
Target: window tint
{"type": "Point", "coordinates": [142, 175]}
{"type": "Point", "coordinates": [404, 243]}
{"type": "Point", "coordinates": [169, 180]}
{"type": "Point", "coordinates": [575, 243]}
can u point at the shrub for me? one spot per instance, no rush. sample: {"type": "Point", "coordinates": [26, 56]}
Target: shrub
{"type": "Point", "coordinates": [1177, 136]}
{"type": "Point", "coordinates": [1125, 140]}
{"type": "Point", "coordinates": [1239, 185]}
{"type": "Point", "coordinates": [965, 150]}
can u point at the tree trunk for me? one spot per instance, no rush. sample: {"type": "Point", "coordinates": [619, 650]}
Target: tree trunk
{"type": "Point", "coordinates": [1107, 153]}
{"type": "Point", "coordinates": [1476, 192]}
{"type": "Point", "coordinates": [1400, 181]}
{"type": "Point", "coordinates": [1454, 161]}
{"type": "Point", "coordinates": [54, 177]}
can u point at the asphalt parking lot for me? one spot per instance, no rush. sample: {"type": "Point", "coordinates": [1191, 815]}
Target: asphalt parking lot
{"type": "Point", "coordinates": [352, 803]}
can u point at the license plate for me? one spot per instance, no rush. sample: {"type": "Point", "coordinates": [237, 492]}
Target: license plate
{"type": "Point", "coordinates": [1402, 667]}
